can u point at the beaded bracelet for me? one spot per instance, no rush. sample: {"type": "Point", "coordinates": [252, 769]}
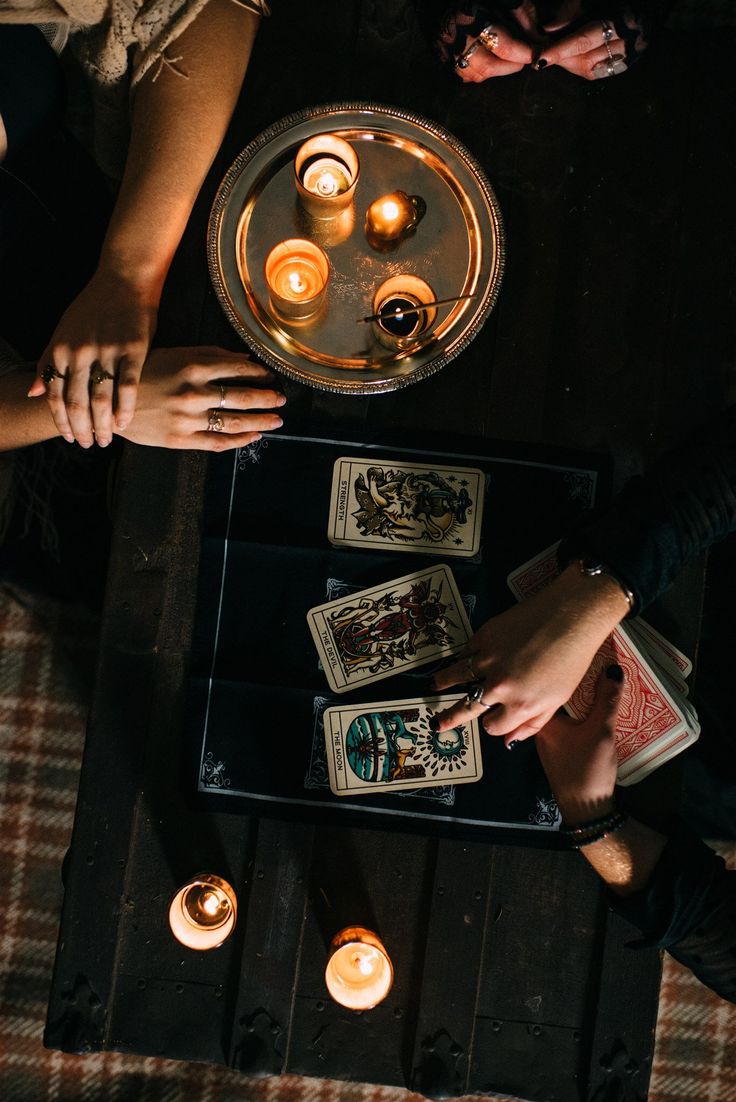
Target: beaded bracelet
{"type": "Point", "coordinates": [585, 834]}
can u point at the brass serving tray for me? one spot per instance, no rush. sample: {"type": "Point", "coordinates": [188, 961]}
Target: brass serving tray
{"type": "Point", "coordinates": [458, 248]}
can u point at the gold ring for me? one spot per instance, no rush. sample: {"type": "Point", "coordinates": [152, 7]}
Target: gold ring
{"type": "Point", "coordinates": [98, 375]}
{"type": "Point", "coordinates": [50, 373]}
{"type": "Point", "coordinates": [215, 423]}
{"type": "Point", "coordinates": [489, 38]}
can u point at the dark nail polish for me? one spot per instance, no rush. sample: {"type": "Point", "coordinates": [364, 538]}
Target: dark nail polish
{"type": "Point", "coordinates": [434, 724]}
{"type": "Point", "coordinates": [615, 673]}
{"type": "Point", "coordinates": [540, 63]}
{"type": "Point", "coordinates": [512, 745]}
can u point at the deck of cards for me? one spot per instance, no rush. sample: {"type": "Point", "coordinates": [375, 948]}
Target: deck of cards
{"type": "Point", "coordinates": [656, 721]}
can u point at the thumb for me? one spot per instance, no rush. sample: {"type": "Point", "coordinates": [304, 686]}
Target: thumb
{"type": "Point", "coordinates": [608, 695]}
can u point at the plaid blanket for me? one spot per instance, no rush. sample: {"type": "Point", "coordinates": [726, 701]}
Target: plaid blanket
{"type": "Point", "coordinates": [47, 653]}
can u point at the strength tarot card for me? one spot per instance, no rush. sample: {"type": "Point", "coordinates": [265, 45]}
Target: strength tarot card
{"type": "Point", "coordinates": [406, 507]}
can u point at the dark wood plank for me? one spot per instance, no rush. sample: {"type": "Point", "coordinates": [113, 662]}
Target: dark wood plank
{"type": "Point", "coordinates": [460, 902]}
{"type": "Point", "coordinates": [382, 881]}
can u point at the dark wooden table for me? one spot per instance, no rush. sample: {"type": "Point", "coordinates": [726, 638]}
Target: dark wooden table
{"type": "Point", "coordinates": [612, 333]}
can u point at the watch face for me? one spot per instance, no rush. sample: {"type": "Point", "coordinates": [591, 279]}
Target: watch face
{"type": "Point", "coordinates": [590, 566]}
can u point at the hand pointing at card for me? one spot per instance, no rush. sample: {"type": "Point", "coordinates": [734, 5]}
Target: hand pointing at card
{"type": "Point", "coordinates": [530, 659]}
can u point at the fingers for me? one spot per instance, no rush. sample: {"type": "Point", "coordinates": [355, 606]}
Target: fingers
{"type": "Point", "coordinates": [478, 62]}
{"type": "Point", "coordinates": [128, 377]}
{"type": "Point", "coordinates": [235, 423]}
{"type": "Point", "coordinates": [245, 397]}
{"type": "Point", "coordinates": [458, 673]}
{"type": "Point", "coordinates": [462, 712]}
{"type": "Point", "coordinates": [608, 697]}
{"type": "Point", "coordinates": [218, 364]}
{"type": "Point", "coordinates": [583, 41]}
{"type": "Point", "coordinates": [101, 387]}
{"type": "Point", "coordinates": [216, 441]}
{"type": "Point", "coordinates": [77, 398]}
{"type": "Point", "coordinates": [50, 380]}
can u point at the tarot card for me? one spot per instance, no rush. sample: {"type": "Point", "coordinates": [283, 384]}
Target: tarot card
{"type": "Point", "coordinates": [389, 629]}
{"type": "Point", "coordinates": [388, 746]}
{"type": "Point", "coordinates": [535, 574]}
{"type": "Point", "coordinates": [677, 664]}
{"type": "Point", "coordinates": [398, 506]}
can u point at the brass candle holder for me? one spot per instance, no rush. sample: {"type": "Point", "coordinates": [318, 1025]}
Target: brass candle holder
{"type": "Point", "coordinates": [326, 170]}
{"type": "Point", "coordinates": [359, 972]}
{"type": "Point", "coordinates": [202, 913]}
{"type": "Point", "coordinates": [296, 273]}
{"type": "Point", "coordinates": [394, 328]}
{"type": "Point", "coordinates": [391, 218]}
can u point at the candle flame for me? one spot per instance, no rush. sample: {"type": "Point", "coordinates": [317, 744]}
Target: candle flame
{"type": "Point", "coordinates": [363, 963]}
{"type": "Point", "coordinates": [296, 283]}
{"type": "Point", "coordinates": [210, 903]}
{"type": "Point", "coordinates": [390, 210]}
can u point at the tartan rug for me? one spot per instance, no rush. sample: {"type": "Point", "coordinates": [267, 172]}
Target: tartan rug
{"type": "Point", "coordinates": [47, 654]}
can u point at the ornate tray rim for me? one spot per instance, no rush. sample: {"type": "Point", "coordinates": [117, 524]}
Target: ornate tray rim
{"type": "Point", "coordinates": [360, 387]}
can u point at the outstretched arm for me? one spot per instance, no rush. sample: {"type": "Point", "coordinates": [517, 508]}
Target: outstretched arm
{"type": "Point", "coordinates": [178, 123]}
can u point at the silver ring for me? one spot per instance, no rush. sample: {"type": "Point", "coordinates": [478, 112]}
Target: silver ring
{"type": "Point", "coordinates": [222, 396]}
{"type": "Point", "coordinates": [463, 60]}
{"type": "Point", "coordinates": [611, 67]}
{"type": "Point", "coordinates": [475, 696]}
{"type": "Point", "coordinates": [215, 423]}
{"type": "Point", "coordinates": [608, 31]}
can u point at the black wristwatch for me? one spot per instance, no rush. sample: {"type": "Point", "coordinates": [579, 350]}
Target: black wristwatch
{"type": "Point", "coordinates": [592, 567]}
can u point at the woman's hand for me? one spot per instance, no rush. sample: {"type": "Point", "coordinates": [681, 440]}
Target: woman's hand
{"type": "Point", "coordinates": [481, 45]}
{"type": "Point", "coordinates": [530, 659]}
{"type": "Point", "coordinates": [579, 758]}
{"type": "Point", "coordinates": [97, 351]}
{"type": "Point", "coordinates": [601, 49]}
{"type": "Point", "coordinates": [182, 387]}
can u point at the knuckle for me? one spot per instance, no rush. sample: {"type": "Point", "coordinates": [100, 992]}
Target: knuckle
{"type": "Point", "coordinates": [75, 406]}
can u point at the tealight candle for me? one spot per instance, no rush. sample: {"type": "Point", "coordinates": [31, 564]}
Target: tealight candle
{"type": "Point", "coordinates": [296, 273]}
{"type": "Point", "coordinates": [396, 329]}
{"type": "Point", "coordinates": [326, 169]}
{"type": "Point", "coordinates": [392, 217]}
{"type": "Point", "coordinates": [202, 913]}
{"type": "Point", "coordinates": [359, 973]}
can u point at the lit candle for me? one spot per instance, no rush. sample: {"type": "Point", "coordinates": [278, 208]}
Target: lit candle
{"type": "Point", "coordinates": [202, 913]}
{"type": "Point", "coordinates": [326, 170]}
{"type": "Point", "coordinates": [296, 273]}
{"type": "Point", "coordinates": [392, 217]}
{"type": "Point", "coordinates": [396, 329]}
{"type": "Point", "coordinates": [359, 973]}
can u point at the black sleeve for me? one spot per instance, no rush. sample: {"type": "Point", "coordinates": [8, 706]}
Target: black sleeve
{"type": "Point", "coordinates": [661, 521]}
{"type": "Point", "coordinates": [689, 909]}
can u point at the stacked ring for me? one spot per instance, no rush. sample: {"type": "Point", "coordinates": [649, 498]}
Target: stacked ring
{"type": "Point", "coordinates": [489, 39]}
{"type": "Point", "coordinates": [463, 60]}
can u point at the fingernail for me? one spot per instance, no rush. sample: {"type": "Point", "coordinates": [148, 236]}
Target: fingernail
{"type": "Point", "coordinates": [512, 745]}
{"type": "Point", "coordinates": [614, 672]}
{"type": "Point", "coordinates": [434, 724]}
{"type": "Point", "coordinates": [540, 63]}
{"type": "Point", "coordinates": [68, 437]}
{"type": "Point", "coordinates": [282, 400]}
{"type": "Point", "coordinates": [277, 422]}
{"type": "Point", "coordinates": [102, 443]}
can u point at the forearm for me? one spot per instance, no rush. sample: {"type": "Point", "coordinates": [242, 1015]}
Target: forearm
{"type": "Point", "coordinates": [685, 503]}
{"type": "Point", "coordinates": [23, 420]}
{"type": "Point", "coordinates": [626, 858]}
{"type": "Point", "coordinates": [178, 124]}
